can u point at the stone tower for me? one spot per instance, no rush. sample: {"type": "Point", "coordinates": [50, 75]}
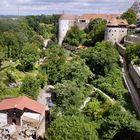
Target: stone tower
{"type": "Point", "coordinates": [116, 30]}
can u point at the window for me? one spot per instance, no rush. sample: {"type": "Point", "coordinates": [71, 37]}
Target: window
{"type": "Point", "coordinates": [82, 21]}
{"type": "Point", "coordinates": [110, 30]}
{"type": "Point", "coordinates": [14, 121]}
{"type": "Point", "coordinates": [112, 34]}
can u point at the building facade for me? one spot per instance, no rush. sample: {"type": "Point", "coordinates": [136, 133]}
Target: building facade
{"type": "Point", "coordinates": [82, 21]}
{"type": "Point", "coordinates": [28, 115]}
{"type": "Point", "coordinates": [116, 30]}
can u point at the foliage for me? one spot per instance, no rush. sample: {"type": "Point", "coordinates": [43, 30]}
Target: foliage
{"type": "Point", "coordinates": [112, 84]}
{"type": "Point", "coordinates": [42, 79]}
{"type": "Point", "coordinates": [100, 57]}
{"type": "Point", "coordinates": [96, 30]}
{"type": "Point", "coordinates": [55, 59]}
{"type": "Point", "coordinates": [12, 44]}
{"type": "Point", "coordinates": [37, 40]}
{"type": "Point", "coordinates": [30, 86]}
{"type": "Point", "coordinates": [117, 120]}
{"type": "Point", "coordinates": [72, 128]}
{"type": "Point", "coordinates": [133, 53]}
{"type": "Point", "coordinates": [2, 55]}
{"type": "Point", "coordinates": [69, 95]}
{"type": "Point", "coordinates": [75, 36]}
{"type": "Point", "coordinates": [76, 70]}
{"type": "Point", "coordinates": [130, 16]}
{"type": "Point", "coordinates": [46, 30]}
{"type": "Point", "coordinates": [28, 57]}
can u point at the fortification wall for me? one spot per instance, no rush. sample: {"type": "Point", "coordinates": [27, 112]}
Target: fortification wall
{"type": "Point", "coordinates": [135, 75]}
{"type": "Point", "coordinates": [121, 49]}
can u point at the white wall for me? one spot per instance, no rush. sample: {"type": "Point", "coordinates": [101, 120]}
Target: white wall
{"type": "Point", "coordinates": [111, 34]}
{"type": "Point", "coordinates": [115, 34]}
{"type": "Point", "coordinates": [63, 28]}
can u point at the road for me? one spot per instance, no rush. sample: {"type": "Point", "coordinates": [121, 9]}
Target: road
{"type": "Point", "coordinates": [134, 95]}
{"type": "Point", "coordinates": [42, 98]}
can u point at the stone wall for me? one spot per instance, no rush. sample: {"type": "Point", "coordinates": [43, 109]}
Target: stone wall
{"type": "Point", "coordinates": [121, 49]}
{"type": "Point", "coordinates": [133, 70]}
{"type": "Point", "coordinates": [135, 75]}
{"type": "Point", "coordinates": [133, 38]}
{"type": "Point", "coordinates": [115, 34]}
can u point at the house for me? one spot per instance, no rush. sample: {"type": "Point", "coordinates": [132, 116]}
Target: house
{"type": "Point", "coordinates": [27, 115]}
{"type": "Point", "coordinates": [116, 30]}
{"type": "Point", "coordinates": [82, 21]}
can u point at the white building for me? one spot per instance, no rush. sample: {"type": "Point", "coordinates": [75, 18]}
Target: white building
{"type": "Point", "coordinates": [67, 21]}
{"type": "Point", "coordinates": [116, 30]}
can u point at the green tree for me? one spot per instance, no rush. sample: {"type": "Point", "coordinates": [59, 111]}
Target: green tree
{"type": "Point", "coordinates": [12, 44]}
{"type": "Point", "coordinates": [76, 70]}
{"type": "Point", "coordinates": [46, 30]}
{"type": "Point", "coordinates": [130, 16]}
{"type": "Point", "coordinates": [75, 36]}
{"type": "Point", "coordinates": [29, 55]}
{"type": "Point", "coordinates": [2, 55]}
{"type": "Point", "coordinates": [55, 59]}
{"type": "Point", "coordinates": [38, 40]}
{"type": "Point", "coordinates": [100, 57]}
{"type": "Point", "coordinates": [96, 30]}
{"type": "Point", "coordinates": [30, 86]}
{"type": "Point", "coordinates": [116, 120]}
{"type": "Point", "coordinates": [67, 95]}
{"type": "Point", "coordinates": [72, 128]}
{"type": "Point", "coordinates": [133, 53]}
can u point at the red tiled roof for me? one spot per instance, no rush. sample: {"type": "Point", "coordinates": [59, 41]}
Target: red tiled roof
{"type": "Point", "coordinates": [21, 103]}
{"type": "Point", "coordinates": [68, 17]}
{"type": "Point", "coordinates": [117, 22]}
{"type": "Point", "coordinates": [94, 16]}
{"type": "Point", "coordinates": [88, 16]}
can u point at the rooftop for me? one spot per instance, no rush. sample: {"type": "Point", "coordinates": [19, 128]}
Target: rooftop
{"type": "Point", "coordinates": [117, 22]}
{"type": "Point", "coordinates": [89, 16]}
{"type": "Point", "coordinates": [21, 103]}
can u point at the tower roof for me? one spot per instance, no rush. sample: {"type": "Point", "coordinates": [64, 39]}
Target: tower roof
{"type": "Point", "coordinates": [117, 22]}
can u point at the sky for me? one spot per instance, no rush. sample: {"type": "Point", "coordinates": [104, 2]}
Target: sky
{"type": "Point", "coordinates": [38, 7]}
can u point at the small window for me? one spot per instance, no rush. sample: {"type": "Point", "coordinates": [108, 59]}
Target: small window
{"type": "Point", "coordinates": [109, 30]}
{"type": "Point", "coordinates": [114, 30]}
{"type": "Point", "coordinates": [122, 30]}
{"type": "Point", "coordinates": [14, 121]}
{"type": "Point", "coordinates": [82, 21]}
{"type": "Point", "coordinates": [112, 34]}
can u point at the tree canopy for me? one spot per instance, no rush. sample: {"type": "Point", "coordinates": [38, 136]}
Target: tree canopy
{"type": "Point", "coordinates": [72, 128]}
{"type": "Point", "coordinates": [75, 36]}
{"type": "Point", "coordinates": [130, 16]}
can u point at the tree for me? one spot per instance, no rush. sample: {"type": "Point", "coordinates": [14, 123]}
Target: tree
{"type": "Point", "coordinates": [100, 57]}
{"type": "Point", "coordinates": [29, 55]}
{"type": "Point", "coordinates": [2, 55]}
{"type": "Point", "coordinates": [67, 95]}
{"type": "Point", "coordinates": [96, 31]}
{"type": "Point", "coordinates": [76, 70]}
{"type": "Point", "coordinates": [12, 44]}
{"type": "Point", "coordinates": [30, 86]}
{"type": "Point", "coordinates": [55, 59]}
{"type": "Point", "coordinates": [116, 120]}
{"type": "Point", "coordinates": [133, 53]}
{"type": "Point", "coordinates": [37, 40]}
{"type": "Point", "coordinates": [130, 16]}
{"type": "Point", "coordinates": [75, 36]}
{"type": "Point", "coordinates": [72, 128]}
{"type": "Point", "coordinates": [46, 30]}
